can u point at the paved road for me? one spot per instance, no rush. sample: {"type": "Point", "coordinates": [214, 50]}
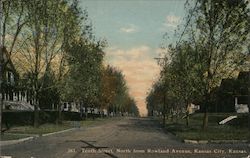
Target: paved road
{"type": "Point", "coordinates": [122, 138]}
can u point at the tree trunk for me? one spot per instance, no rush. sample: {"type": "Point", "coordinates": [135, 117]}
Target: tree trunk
{"type": "Point", "coordinates": [187, 119]}
{"type": "Point", "coordinates": [92, 110]}
{"type": "Point", "coordinates": [164, 119]}
{"type": "Point", "coordinates": [164, 111]}
{"type": "Point", "coordinates": [36, 107]}
{"type": "Point", "coordinates": [1, 67]}
{"type": "Point", "coordinates": [248, 117]}
{"type": "Point", "coordinates": [1, 111]}
{"type": "Point", "coordinates": [205, 119]}
{"type": "Point", "coordinates": [176, 115]}
{"type": "Point", "coordinates": [187, 112]}
{"type": "Point", "coordinates": [86, 112]}
{"type": "Point", "coordinates": [36, 116]}
{"type": "Point", "coordinates": [59, 114]}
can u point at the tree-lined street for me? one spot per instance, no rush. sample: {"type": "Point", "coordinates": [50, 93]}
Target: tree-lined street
{"type": "Point", "coordinates": [91, 65]}
{"type": "Point", "coordinates": [126, 137]}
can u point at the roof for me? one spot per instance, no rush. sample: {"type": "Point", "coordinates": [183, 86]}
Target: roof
{"type": "Point", "coordinates": [244, 75]}
{"type": "Point", "coordinates": [8, 64]}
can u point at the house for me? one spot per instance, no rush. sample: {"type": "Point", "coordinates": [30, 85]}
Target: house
{"type": "Point", "coordinates": [13, 98]}
{"type": "Point", "coordinates": [10, 75]}
{"type": "Point", "coordinates": [71, 106]}
{"type": "Point", "coordinates": [192, 108]}
{"type": "Point", "coordinates": [242, 94]}
{"type": "Point", "coordinates": [232, 95]}
{"type": "Point", "coordinates": [241, 104]}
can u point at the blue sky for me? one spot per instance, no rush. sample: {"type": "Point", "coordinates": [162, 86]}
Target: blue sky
{"type": "Point", "coordinates": [145, 19]}
{"type": "Point", "coordinates": [134, 30]}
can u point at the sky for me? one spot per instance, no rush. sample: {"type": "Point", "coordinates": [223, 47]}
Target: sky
{"type": "Point", "coordinates": [134, 30]}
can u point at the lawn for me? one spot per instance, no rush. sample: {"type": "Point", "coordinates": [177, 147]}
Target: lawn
{"type": "Point", "coordinates": [235, 130]}
{"type": "Point", "coordinates": [10, 136]}
{"type": "Point", "coordinates": [42, 129]}
{"type": "Point", "coordinates": [49, 128]}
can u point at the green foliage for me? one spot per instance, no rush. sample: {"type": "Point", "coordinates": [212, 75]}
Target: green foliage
{"type": "Point", "coordinates": [114, 92]}
{"type": "Point", "coordinates": [12, 118]}
{"type": "Point", "coordinates": [83, 80]}
{"type": "Point", "coordinates": [213, 46]}
{"type": "Point", "coordinates": [234, 130]}
{"type": "Point", "coordinates": [49, 95]}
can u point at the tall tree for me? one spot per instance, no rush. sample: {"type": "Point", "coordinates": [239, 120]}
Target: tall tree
{"type": "Point", "coordinates": [12, 22]}
{"type": "Point", "coordinates": [114, 92]}
{"type": "Point", "coordinates": [219, 34]}
{"type": "Point", "coordinates": [41, 44]}
{"type": "Point", "coordinates": [183, 75]}
{"type": "Point", "coordinates": [82, 83]}
{"type": "Point", "coordinates": [42, 41]}
{"type": "Point", "coordinates": [107, 86]}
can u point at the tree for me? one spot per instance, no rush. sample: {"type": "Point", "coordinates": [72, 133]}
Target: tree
{"type": "Point", "coordinates": [107, 86]}
{"type": "Point", "coordinates": [36, 36]}
{"type": "Point", "coordinates": [183, 75]}
{"type": "Point", "coordinates": [82, 83]}
{"type": "Point", "coordinates": [12, 22]}
{"type": "Point", "coordinates": [220, 38]}
{"type": "Point", "coordinates": [42, 41]}
{"type": "Point", "coordinates": [49, 96]}
{"type": "Point", "coordinates": [214, 47]}
{"type": "Point", "coordinates": [156, 100]}
{"type": "Point", "coordinates": [114, 92]}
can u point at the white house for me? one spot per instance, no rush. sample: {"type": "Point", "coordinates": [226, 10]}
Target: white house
{"type": "Point", "coordinates": [240, 108]}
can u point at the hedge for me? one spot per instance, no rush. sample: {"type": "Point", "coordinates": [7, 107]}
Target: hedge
{"type": "Point", "coordinates": [27, 117]}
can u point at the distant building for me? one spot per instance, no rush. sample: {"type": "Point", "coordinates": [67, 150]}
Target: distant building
{"type": "Point", "coordinates": [192, 108]}
{"type": "Point", "coordinates": [71, 106]}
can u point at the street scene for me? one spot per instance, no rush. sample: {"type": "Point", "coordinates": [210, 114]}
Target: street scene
{"type": "Point", "coordinates": [124, 78]}
{"type": "Point", "coordinates": [124, 137]}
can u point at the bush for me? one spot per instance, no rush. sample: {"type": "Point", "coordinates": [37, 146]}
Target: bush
{"type": "Point", "coordinates": [11, 118]}
{"type": "Point", "coordinates": [18, 118]}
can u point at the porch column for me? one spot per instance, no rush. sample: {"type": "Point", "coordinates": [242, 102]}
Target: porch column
{"type": "Point", "coordinates": [236, 101]}
{"type": "Point", "coordinates": [19, 96]}
{"type": "Point", "coordinates": [25, 98]}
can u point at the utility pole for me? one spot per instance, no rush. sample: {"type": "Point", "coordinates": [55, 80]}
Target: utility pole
{"type": "Point", "coordinates": [161, 61]}
{"type": "Point", "coordinates": [248, 88]}
{"type": "Point", "coordinates": [1, 66]}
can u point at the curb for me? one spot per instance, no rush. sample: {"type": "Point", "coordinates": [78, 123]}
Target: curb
{"type": "Point", "coordinates": [58, 132]}
{"type": "Point", "coordinates": [11, 142]}
{"type": "Point", "coordinates": [17, 141]}
{"type": "Point", "coordinates": [229, 141]}
{"type": "Point", "coordinates": [188, 141]}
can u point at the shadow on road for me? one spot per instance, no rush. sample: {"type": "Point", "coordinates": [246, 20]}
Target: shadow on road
{"type": "Point", "coordinates": [141, 125]}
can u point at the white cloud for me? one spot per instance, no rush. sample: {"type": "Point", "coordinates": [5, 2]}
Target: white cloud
{"type": "Point", "coordinates": [129, 29]}
{"type": "Point", "coordinates": [137, 53]}
{"type": "Point", "coordinates": [172, 21]}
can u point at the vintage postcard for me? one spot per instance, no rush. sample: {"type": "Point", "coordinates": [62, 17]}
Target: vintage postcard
{"type": "Point", "coordinates": [124, 78]}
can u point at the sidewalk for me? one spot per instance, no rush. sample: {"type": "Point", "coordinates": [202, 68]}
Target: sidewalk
{"type": "Point", "coordinates": [214, 141]}
{"type": "Point", "coordinates": [35, 136]}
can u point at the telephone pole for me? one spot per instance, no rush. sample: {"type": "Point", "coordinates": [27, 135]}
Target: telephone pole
{"type": "Point", "coordinates": [248, 98]}
{"type": "Point", "coordinates": [1, 66]}
{"type": "Point", "coordinates": [161, 62]}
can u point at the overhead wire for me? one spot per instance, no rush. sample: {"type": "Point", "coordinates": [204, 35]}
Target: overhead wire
{"type": "Point", "coordinates": [188, 21]}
